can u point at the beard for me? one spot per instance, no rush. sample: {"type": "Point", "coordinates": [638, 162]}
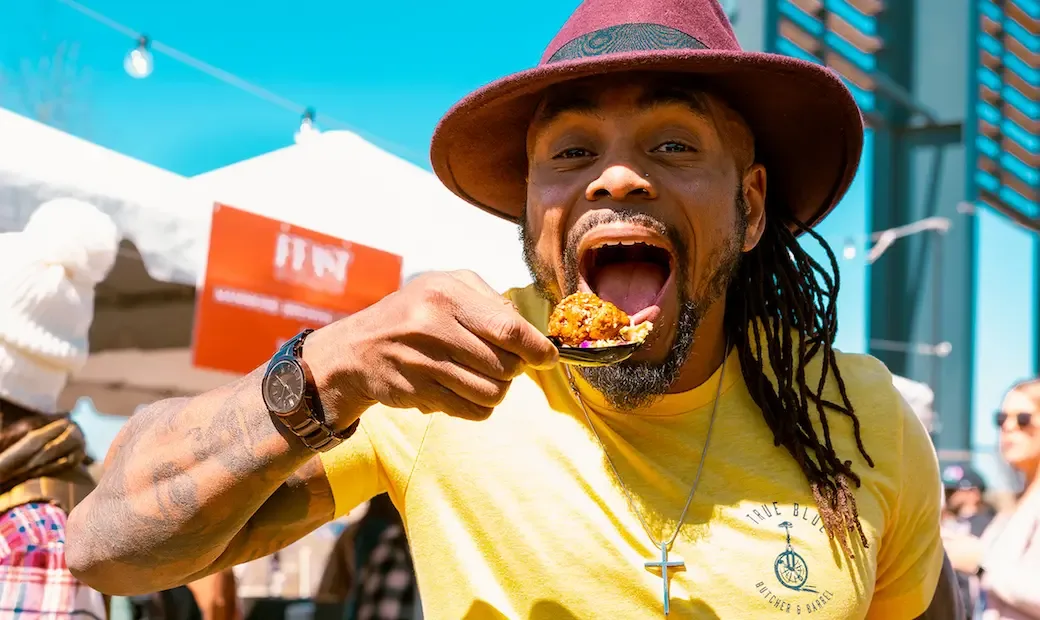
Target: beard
{"type": "Point", "coordinates": [631, 385]}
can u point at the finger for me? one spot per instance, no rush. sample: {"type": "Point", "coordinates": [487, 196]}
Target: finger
{"type": "Point", "coordinates": [471, 386]}
{"type": "Point", "coordinates": [485, 358]}
{"type": "Point", "coordinates": [495, 319]}
{"type": "Point", "coordinates": [445, 400]}
{"type": "Point", "coordinates": [507, 329]}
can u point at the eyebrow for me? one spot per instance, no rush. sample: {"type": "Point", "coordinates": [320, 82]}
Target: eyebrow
{"type": "Point", "coordinates": [556, 106]}
{"type": "Point", "coordinates": [671, 95]}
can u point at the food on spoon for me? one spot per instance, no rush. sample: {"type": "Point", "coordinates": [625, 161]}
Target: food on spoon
{"type": "Point", "coordinates": [584, 320]}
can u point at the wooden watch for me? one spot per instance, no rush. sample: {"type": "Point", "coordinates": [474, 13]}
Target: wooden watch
{"type": "Point", "coordinates": [291, 395]}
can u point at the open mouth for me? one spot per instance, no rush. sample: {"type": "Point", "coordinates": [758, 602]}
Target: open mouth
{"type": "Point", "coordinates": [631, 268]}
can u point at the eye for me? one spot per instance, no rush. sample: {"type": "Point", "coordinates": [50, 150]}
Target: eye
{"type": "Point", "coordinates": [673, 147]}
{"type": "Point", "coordinates": [573, 153]}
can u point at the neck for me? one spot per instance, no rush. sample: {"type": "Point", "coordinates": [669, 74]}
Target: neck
{"type": "Point", "coordinates": [1032, 475]}
{"type": "Point", "coordinates": [708, 351]}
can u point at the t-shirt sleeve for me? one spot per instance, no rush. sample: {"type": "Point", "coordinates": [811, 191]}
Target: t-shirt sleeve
{"type": "Point", "coordinates": [910, 556]}
{"type": "Point", "coordinates": [379, 458]}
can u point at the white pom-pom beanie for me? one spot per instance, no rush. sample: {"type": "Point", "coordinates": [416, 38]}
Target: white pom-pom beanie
{"type": "Point", "coordinates": [48, 272]}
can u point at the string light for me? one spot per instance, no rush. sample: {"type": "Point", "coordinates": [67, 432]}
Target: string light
{"type": "Point", "coordinates": [141, 58]}
{"type": "Point", "coordinates": [139, 62]}
{"type": "Point", "coordinates": [308, 130]}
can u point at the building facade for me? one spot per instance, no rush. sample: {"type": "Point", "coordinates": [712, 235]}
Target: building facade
{"type": "Point", "coordinates": [949, 91]}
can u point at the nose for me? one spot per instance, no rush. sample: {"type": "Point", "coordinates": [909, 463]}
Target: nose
{"type": "Point", "coordinates": [619, 182]}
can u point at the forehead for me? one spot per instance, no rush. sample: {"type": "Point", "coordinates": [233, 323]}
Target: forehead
{"type": "Point", "coordinates": [1018, 401]}
{"type": "Point", "coordinates": [603, 95]}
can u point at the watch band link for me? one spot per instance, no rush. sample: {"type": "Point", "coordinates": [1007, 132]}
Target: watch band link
{"type": "Point", "coordinates": [308, 421]}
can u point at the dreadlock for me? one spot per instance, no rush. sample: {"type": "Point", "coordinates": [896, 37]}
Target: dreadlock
{"type": "Point", "coordinates": [777, 287]}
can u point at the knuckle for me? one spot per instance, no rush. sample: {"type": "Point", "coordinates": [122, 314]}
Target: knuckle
{"type": "Point", "coordinates": [465, 274]}
{"type": "Point", "coordinates": [506, 327]}
{"type": "Point", "coordinates": [512, 366]}
{"type": "Point", "coordinates": [498, 394]}
{"type": "Point", "coordinates": [423, 316]}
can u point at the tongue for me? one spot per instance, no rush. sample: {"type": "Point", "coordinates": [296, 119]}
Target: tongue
{"type": "Point", "coordinates": [630, 286]}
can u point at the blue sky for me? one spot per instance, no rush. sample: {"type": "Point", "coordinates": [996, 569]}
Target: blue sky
{"type": "Point", "coordinates": [390, 70]}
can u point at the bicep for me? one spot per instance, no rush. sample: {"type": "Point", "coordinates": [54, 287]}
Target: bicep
{"type": "Point", "coordinates": [302, 504]}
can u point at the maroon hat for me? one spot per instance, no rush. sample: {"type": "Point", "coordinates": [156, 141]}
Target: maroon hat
{"type": "Point", "coordinates": [808, 131]}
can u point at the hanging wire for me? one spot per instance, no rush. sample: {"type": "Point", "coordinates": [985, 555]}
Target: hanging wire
{"type": "Point", "coordinates": [226, 76]}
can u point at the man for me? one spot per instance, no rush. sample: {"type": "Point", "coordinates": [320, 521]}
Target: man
{"type": "Point", "coordinates": [737, 466]}
{"type": "Point", "coordinates": [967, 515]}
{"type": "Point", "coordinates": [370, 568]}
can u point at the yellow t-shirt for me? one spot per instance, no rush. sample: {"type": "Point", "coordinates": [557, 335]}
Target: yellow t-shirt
{"type": "Point", "coordinates": [520, 516]}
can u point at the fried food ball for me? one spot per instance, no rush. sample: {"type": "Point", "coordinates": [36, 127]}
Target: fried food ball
{"type": "Point", "coordinates": [583, 316]}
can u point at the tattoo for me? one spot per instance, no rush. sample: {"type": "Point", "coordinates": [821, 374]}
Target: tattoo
{"type": "Point", "coordinates": [301, 505]}
{"type": "Point", "coordinates": [184, 492]}
{"type": "Point", "coordinates": [181, 491]}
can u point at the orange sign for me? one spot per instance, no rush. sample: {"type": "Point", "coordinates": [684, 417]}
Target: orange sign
{"type": "Point", "coordinates": [267, 280]}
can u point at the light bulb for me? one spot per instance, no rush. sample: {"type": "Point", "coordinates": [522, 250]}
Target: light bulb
{"type": "Point", "coordinates": [308, 130]}
{"type": "Point", "coordinates": [850, 249]}
{"type": "Point", "coordinates": [138, 62]}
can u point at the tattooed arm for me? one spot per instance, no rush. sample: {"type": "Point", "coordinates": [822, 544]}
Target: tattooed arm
{"type": "Point", "coordinates": [192, 486]}
{"type": "Point", "coordinates": [185, 477]}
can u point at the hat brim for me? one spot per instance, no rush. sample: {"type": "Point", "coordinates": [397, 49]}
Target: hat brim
{"type": "Point", "coordinates": [808, 129]}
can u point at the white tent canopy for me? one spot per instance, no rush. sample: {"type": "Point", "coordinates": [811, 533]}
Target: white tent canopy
{"type": "Point", "coordinates": [337, 184]}
{"type": "Point", "coordinates": [157, 210]}
{"type": "Point", "coordinates": [341, 185]}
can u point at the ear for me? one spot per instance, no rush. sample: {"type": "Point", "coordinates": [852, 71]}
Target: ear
{"type": "Point", "coordinates": [754, 187]}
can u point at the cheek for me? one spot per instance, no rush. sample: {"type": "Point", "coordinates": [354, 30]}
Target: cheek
{"type": "Point", "coordinates": [543, 230]}
{"type": "Point", "coordinates": [713, 227]}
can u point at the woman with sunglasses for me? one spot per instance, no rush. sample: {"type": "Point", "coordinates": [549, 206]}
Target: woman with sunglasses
{"type": "Point", "coordinates": [1007, 557]}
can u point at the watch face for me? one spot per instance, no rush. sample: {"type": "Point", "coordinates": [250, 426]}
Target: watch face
{"type": "Point", "coordinates": [283, 390]}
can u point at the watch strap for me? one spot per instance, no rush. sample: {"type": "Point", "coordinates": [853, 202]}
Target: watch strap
{"type": "Point", "coordinates": [308, 420]}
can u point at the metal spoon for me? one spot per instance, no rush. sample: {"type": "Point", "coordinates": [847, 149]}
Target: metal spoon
{"type": "Point", "coordinates": [595, 356]}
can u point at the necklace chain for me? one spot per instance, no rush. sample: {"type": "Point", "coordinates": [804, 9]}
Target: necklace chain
{"type": "Point", "coordinates": [700, 466]}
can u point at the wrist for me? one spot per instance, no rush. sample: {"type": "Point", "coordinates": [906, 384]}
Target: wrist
{"type": "Point", "coordinates": [335, 379]}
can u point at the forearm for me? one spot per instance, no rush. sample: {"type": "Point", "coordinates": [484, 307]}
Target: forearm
{"type": "Point", "coordinates": [182, 479]}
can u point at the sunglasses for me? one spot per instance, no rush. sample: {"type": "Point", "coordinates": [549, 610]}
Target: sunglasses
{"type": "Point", "coordinates": [1022, 419]}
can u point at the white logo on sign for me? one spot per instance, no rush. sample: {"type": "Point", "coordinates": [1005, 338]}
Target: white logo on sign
{"type": "Point", "coordinates": [301, 261]}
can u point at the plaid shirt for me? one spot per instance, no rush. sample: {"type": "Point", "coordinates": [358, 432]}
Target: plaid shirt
{"type": "Point", "coordinates": [35, 582]}
{"type": "Point", "coordinates": [387, 581]}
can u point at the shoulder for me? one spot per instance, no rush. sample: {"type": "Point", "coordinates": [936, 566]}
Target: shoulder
{"type": "Point", "coordinates": [892, 434]}
{"type": "Point", "coordinates": [869, 385]}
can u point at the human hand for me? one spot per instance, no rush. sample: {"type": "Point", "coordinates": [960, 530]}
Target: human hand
{"type": "Point", "coordinates": [965, 552]}
{"type": "Point", "coordinates": [444, 342]}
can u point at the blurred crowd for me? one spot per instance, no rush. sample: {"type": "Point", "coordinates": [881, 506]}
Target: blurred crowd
{"type": "Point", "coordinates": [46, 303]}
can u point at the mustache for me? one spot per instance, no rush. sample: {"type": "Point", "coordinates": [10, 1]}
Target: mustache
{"type": "Point", "coordinates": [628, 216]}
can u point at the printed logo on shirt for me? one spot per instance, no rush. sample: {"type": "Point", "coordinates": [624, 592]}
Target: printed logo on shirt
{"type": "Point", "coordinates": [790, 588]}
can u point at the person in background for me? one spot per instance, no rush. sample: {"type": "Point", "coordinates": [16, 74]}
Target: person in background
{"type": "Point", "coordinates": [966, 514]}
{"type": "Point", "coordinates": [371, 567]}
{"type": "Point", "coordinates": [47, 285]}
{"type": "Point", "coordinates": [967, 509]}
{"type": "Point", "coordinates": [1006, 559]}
